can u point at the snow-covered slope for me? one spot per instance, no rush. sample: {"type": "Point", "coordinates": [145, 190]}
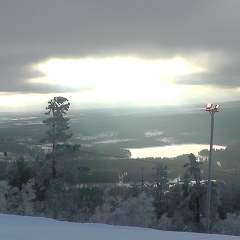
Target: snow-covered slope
{"type": "Point", "coordinates": [27, 228]}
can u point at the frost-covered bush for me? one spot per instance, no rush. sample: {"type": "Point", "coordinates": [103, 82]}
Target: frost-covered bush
{"type": "Point", "coordinates": [134, 211]}
{"type": "Point", "coordinates": [27, 195]}
{"type": "Point", "coordinates": [20, 202]}
{"type": "Point", "coordinates": [164, 223]}
{"type": "Point", "coordinates": [231, 225]}
{"type": "Point", "coordinates": [108, 212]}
{"type": "Point", "coordinates": [137, 211]}
{"type": "Point", "coordinates": [4, 188]}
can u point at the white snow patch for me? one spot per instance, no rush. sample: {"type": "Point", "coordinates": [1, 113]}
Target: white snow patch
{"type": "Point", "coordinates": [153, 133]}
{"type": "Point", "coordinates": [35, 228]}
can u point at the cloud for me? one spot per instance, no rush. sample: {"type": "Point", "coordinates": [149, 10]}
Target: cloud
{"type": "Point", "coordinates": [34, 31]}
{"type": "Point", "coordinates": [221, 71]}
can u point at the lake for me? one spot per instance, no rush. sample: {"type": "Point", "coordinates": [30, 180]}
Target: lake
{"type": "Point", "coordinates": [170, 150]}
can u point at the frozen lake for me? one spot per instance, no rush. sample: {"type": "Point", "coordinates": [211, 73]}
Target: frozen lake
{"type": "Point", "coordinates": [170, 150]}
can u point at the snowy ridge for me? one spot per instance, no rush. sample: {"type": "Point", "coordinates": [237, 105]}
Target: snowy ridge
{"type": "Point", "coordinates": [36, 228]}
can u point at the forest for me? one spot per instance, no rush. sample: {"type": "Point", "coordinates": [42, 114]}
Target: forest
{"type": "Point", "coordinates": [71, 182]}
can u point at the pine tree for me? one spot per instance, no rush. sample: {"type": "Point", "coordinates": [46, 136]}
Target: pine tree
{"type": "Point", "coordinates": [197, 191]}
{"type": "Point", "coordinates": [57, 134]}
{"type": "Point", "coordinates": [57, 123]}
{"type": "Point", "coordinates": [20, 174]}
{"type": "Point", "coordinates": [48, 183]}
{"type": "Point", "coordinates": [161, 182]}
{"type": "Point", "coordinates": [193, 168]}
{"type": "Point", "coordinates": [174, 197]}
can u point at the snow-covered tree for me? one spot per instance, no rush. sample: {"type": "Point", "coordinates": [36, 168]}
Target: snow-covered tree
{"type": "Point", "coordinates": [229, 226]}
{"type": "Point", "coordinates": [187, 216]}
{"type": "Point", "coordinates": [137, 211]}
{"type": "Point", "coordinates": [57, 123]}
{"type": "Point", "coordinates": [4, 188]}
{"type": "Point", "coordinates": [20, 202]}
{"type": "Point", "coordinates": [107, 212]}
{"type": "Point", "coordinates": [164, 223]}
{"type": "Point", "coordinates": [27, 197]}
{"type": "Point", "coordinates": [229, 197]}
{"type": "Point", "coordinates": [133, 211]}
{"type": "Point", "coordinates": [51, 176]}
{"type": "Point", "coordinates": [174, 199]}
{"type": "Point", "coordinates": [57, 133]}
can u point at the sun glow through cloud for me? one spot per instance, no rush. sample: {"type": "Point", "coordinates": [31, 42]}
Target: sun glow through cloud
{"type": "Point", "coordinates": [117, 78]}
{"type": "Point", "coordinates": [110, 70]}
{"type": "Point", "coordinates": [120, 82]}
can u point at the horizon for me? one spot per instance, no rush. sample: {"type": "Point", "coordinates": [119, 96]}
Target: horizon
{"type": "Point", "coordinates": [179, 107]}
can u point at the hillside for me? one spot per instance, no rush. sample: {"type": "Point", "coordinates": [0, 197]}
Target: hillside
{"type": "Point", "coordinates": [22, 228]}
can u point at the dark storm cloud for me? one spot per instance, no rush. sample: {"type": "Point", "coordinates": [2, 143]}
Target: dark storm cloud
{"type": "Point", "coordinates": [222, 74]}
{"type": "Point", "coordinates": [32, 31]}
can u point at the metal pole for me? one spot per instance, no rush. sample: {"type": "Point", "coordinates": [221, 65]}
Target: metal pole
{"type": "Point", "coordinates": [209, 174]}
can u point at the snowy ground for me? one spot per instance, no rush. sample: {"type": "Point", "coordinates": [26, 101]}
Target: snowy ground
{"type": "Point", "coordinates": [27, 228]}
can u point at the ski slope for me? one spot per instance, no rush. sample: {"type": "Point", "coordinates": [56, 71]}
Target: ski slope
{"type": "Point", "coordinates": [27, 228]}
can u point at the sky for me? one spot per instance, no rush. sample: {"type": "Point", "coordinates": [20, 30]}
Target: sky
{"type": "Point", "coordinates": [113, 53]}
{"type": "Point", "coordinates": [36, 228]}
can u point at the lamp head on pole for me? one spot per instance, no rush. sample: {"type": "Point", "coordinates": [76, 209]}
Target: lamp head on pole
{"type": "Point", "coordinates": [210, 108]}
{"type": "Point", "coordinates": [217, 106]}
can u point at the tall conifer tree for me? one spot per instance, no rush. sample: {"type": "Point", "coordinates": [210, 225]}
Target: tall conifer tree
{"type": "Point", "coordinates": [58, 125]}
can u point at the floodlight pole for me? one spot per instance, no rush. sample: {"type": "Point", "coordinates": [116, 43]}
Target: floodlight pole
{"type": "Point", "coordinates": [212, 111]}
